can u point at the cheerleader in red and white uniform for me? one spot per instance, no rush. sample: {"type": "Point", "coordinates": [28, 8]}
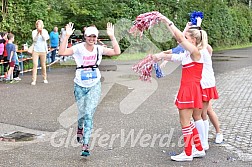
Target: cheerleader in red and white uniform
{"type": "Point", "coordinates": [208, 84]}
{"type": "Point", "coordinates": [189, 98]}
{"type": "Point", "coordinates": [208, 92]}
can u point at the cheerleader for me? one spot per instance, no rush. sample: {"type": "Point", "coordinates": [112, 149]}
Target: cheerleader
{"type": "Point", "coordinates": [207, 82]}
{"type": "Point", "coordinates": [189, 98]}
{"type": "Point", "coordinates": [208, 92]}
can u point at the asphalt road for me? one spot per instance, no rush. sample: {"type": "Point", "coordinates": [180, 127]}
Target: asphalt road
{"type": "Point", "coordinates": [136, 123]}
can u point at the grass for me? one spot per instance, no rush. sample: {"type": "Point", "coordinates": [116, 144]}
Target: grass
{"type": "Point", "coordinates": [232, 47]}
{"type": "Point", "coordinates": [139, 56]}
{"type": "Point", "coordinates": [128, 56]}
{"type": "Point", "coordinates": [68, 63]}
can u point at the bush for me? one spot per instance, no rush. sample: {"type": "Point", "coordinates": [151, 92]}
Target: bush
{"type": "Point", "coordinates": [226, 23]}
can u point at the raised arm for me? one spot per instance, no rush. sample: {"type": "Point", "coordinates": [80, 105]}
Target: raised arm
{"type": "Point", "coordinates": [188, 25]}
{"type": "Point", "coordinates": [178, 35]}
{"type": "Point", "coordinates": [168, 57]}
{"type": "Point", "coordinates": [63, 50]}
{"type": "Point", "coordinates": [162, 55]}
{"type": "Point", "coordinates": [116, 48]}
{"type": "Point", "coordinates": [168, 51]}
{"type": "Point", "coordinates": [44, 34]}
{"type": "Point", "coordinates": [35, 35]}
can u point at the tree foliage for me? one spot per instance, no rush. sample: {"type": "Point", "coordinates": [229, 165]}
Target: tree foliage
{"type": "Point", "coordinates": [227, 22]}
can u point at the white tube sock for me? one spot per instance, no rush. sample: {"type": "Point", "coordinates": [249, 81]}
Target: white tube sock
{"type": "Point", "coordinates": [201, 129]}
{"type": "Point", "coordinates": [206, 123]}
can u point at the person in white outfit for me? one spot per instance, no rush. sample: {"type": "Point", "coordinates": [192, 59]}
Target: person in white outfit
{"type": "Point", "coordinates": [87, 84]}
{"type": "Point", "coordinates": [208, 92]}
{"type": "Point", "coordinates": [40, 37]}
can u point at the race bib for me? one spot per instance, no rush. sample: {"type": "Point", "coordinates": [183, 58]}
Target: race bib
{"type": "Point", "coordinates": [88, 74]}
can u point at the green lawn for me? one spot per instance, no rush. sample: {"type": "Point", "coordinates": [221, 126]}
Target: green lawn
{"type": "Point", "coordinates": [233, 47]}
{"type": "Point", "coordinates": [128, 56]}
{"type": "Point", "coordinates": [139, 56]}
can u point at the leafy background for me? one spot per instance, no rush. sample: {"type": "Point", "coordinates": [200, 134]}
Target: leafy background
{"type": "Point", "coordinates": [227, 22]}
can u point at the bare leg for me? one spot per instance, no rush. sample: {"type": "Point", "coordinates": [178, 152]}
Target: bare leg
{"type": "Point", "coordinates": [204, 112]}
{"type": "Point", "coordinates": [213, 118]}
{"type": "Point", "coordinates": [190, 134]}
{"type": "Point", "coordinates": [185, 117]}
{"type": "Point", "coordinates": [197, 114]}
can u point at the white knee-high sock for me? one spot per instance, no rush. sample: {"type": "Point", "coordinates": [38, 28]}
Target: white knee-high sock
{"type": "Point", "coordinates": [206, 123]}
{"type": "Point", "coordinates": [201, 129]}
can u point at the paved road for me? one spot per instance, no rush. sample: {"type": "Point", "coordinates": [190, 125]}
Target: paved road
{"type": "Point", "coordinates": [136, 123]}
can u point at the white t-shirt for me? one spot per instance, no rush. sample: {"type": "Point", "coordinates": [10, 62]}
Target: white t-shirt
{"type": "Point", "coordinates": [86, 77]}
{"type": "Point", "coordinates": [208, 79]}
{"type": "Point", "coordinates": [40, 44]}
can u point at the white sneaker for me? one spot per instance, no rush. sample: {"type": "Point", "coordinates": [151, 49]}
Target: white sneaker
{"type": "Point", "coordinates": [45, 81]}
{"type": "Point", "coordinates": [17, 79]}
{"type": "Point", "coordinates": [197, 154]}
{"type": "Point", "coordinates": [182, 157]}
{"type": "Point", "coordinates": [33, 83]}
{"type": "Point", "coordinates": [205, 146]}
{"type": "Point", "coordinates": [219, 138]}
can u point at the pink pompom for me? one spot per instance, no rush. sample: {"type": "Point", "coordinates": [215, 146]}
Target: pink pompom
{"type": "Point", "coordinates": [144, 68]}
{"type": "Point", "coordinates": [144, 22]}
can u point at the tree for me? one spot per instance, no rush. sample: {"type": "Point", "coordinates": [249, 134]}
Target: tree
{"type": "Point", "coordinates": [21, 16]}
{"type": "Point", "coordinates": [221, 17]}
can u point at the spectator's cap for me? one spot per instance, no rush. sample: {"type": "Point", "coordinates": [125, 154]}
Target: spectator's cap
{"type": "Point", "coordinates": [91, 31]}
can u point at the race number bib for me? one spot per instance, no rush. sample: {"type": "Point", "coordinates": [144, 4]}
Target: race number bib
{"type": "Point", "coordinates": [88, 74]}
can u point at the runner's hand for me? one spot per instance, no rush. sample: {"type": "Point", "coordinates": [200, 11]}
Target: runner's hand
{"type": "Point", "coordinates": [69, 29]}
{"type": "Point", "coordinates": [110, 29]}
